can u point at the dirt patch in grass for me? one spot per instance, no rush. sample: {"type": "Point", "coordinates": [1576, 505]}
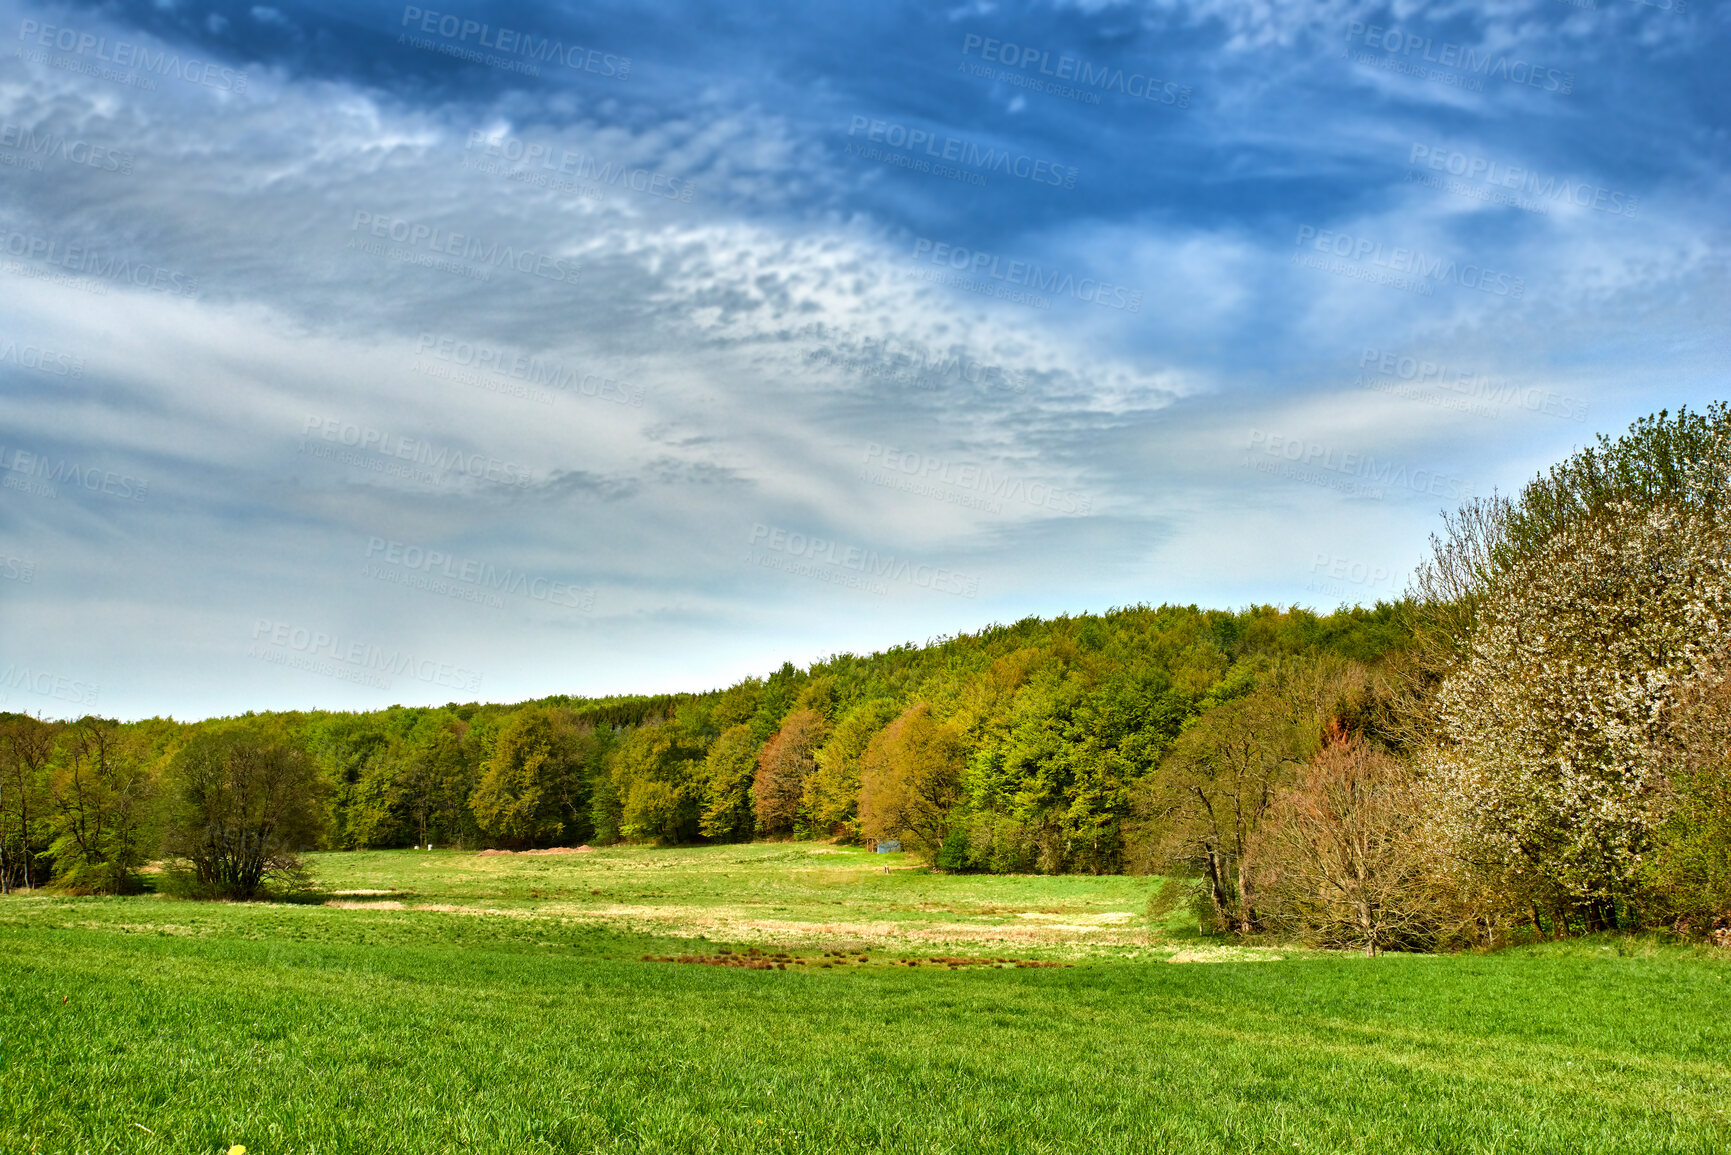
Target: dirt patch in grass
{"type": "Point", "coordinates": [349, 904]}
{"type": "Point", "coordinates": [762, 960]}
{"type": "Point", "coordinates": [741, 925]}
{"type": "Point", "coordinates": [1220, 954]}
{"type": "Point", "coordinates": [549, 850]}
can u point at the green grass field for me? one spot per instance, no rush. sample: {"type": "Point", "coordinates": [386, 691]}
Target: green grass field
{"type": "Point", "coordinates": [502, 1004]}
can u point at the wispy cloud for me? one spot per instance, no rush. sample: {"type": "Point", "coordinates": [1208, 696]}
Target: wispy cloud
{"type": "Point", "coordinates": [594, 325]}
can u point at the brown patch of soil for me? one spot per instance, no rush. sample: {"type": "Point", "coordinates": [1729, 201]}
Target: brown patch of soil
{"type": "Point", "coordinates": [549, 850]}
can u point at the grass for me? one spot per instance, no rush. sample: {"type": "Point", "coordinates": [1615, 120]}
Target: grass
{"type": "Point", "coordinates": [762, 892]}
{"type": "Point", "coordinates": [461, 1012]}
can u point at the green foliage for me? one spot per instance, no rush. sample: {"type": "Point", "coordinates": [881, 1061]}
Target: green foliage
{"type": "Point", "coordinates": [656, 777]}
{"type": "Point", "coordinates": [1691, 869]}
{"type": "Point", "coordinates": [910, 781]}
{"type": "Point", "coordinates": [102, 787]}
{"type": "Point", "coordinates": [1661, 460]}
{"type": "Point", "coordinates": [433, 786]}
{"type": "Point", "coordinates": [728, 769]}
{"type": "Point", "coordinates": [831, 801]}
{"type": "Point", "coordinates": [1688, 876]}
{"type": "Point", "coordinates": [1054, 722]}
{"type": "Point", "coordinates": [537, 785]}
{"type": "Point", "coordinates": [953, 855]}
{"type": "Point", "coordinates": [244, 803]}
{"type": "Point", "coordinates": [737, 704]}
{"type": "Point", "coordinates": [26, 751]}
{"type": "Point", "coordinates": [779, 694]}
{"type": "Point", "coordinates": [517, 799]}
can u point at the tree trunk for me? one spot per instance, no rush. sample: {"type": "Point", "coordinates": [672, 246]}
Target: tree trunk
{"type": "Point", "coordinates": [1246, 903]}
{"type": "Point", "coordinates": [1217, 888]}
{"type": "Point", "coordinates": [1366, 925]}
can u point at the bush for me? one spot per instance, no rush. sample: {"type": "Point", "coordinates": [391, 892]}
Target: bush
{"type": "Point", "coordinates": [1341, 860]}
{"type": "Point", "coordinates": [1001, 844]}
{"type": "Point", "coordinates": [953, 853]}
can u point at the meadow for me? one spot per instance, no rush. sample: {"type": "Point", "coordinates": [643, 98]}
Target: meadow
{"type": "Point", "coordinates": [449, 1001]}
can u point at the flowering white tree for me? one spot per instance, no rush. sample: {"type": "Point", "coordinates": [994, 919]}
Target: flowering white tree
{"type": "Point", "coordinates": [1553, 740]}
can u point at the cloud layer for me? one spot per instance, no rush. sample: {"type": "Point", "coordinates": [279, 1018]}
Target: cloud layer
{"type": "Point", "coordinates": [385, 354]}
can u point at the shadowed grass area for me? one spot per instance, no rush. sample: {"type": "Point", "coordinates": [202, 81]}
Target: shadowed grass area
{"type": "Point", "coordinates": [328, 1029]}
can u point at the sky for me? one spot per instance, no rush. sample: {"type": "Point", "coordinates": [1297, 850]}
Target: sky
{"type": "Point", "coordinates": [367, 353]}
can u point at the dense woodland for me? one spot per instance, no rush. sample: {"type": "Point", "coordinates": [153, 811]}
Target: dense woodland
{"type": "Point", "coordinates": [1536, 740]}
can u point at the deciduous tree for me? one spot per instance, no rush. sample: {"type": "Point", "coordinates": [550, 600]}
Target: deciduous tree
{"type": "Point", "coordinates": [1214, 789]}
{"type": "Point", "coordinates": [515, 800]}
{"type": "Point", "coordinates": [831, 799]}
{"type": "Point", "coordinates": [26, 746]}
{"type": "Point", "coordinates": [911, 780]}
{"type": "Point", "coordinates": [246, 802]}
{"type": "Point", "coordinates": [1341, 859]}
{"type": "Point", "coordinates": [100, 788]}
{"type": "Point", "coordinates": [788, 759]}
{"type": "Point", "coordinates": [728, 769]}
{"type": "Point", "coordinates": [1553, 745]}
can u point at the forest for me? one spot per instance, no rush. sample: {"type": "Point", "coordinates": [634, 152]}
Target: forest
{"type": "Point", "coordinates": [1534, 741]}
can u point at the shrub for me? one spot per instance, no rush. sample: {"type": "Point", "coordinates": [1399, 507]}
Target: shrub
{"type": "Point", "coordinates": [1341, 861]}
{"type": "Point", "coordinates": [953, 854]}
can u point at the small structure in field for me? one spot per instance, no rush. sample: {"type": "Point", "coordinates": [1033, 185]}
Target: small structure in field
{"type": "Point", "coordinates": [889, 846]}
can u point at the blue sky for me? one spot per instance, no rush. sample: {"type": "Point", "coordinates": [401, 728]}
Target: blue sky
{"type": "Point", "coordinates": [371, 353]}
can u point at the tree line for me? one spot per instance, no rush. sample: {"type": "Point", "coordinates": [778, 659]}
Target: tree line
{"type": "Point", "coordinates": [1533, 741]}
{"type": "Point", "coordinates": [1014, 749]}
